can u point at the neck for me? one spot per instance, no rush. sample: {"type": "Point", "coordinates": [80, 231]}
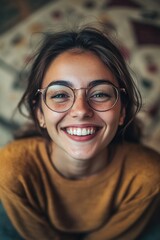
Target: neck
{"type": "Point", "coordinates": [76, 168]}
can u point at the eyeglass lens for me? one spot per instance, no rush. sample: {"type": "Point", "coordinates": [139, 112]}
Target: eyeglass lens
{"type": "Point", "coordinates": [101, 97]}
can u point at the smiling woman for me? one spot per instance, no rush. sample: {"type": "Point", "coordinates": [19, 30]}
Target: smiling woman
{"type": "Point", "coordinates": [83, 174]}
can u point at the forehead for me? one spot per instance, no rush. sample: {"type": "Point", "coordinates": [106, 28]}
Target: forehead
{"type": "Point", "coordinates": [79, 68]}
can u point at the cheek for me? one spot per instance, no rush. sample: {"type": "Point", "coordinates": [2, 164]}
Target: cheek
{"type": "Point", "coordinates": [112, 117]}
{"type": "Point", "coordinates": [52, 120]}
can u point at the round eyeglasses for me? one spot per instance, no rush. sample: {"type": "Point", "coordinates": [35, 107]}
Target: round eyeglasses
{"type": "Point", "coordinates": [100, 97]}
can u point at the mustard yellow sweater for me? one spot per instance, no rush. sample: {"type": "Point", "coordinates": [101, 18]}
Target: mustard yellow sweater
{"type": "Point", "coordinates": [116, 203]}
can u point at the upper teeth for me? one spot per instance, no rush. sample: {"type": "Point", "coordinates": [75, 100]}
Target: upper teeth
{"type": "Point", "coordinates": [80, 131]}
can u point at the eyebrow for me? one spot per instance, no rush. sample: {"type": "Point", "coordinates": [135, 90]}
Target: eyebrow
{"type": "Point", "coordinates": [61, 82]}
{"type": "Point", "coordinates": [70, 84]}
{"type": "Point", "coordinates": [99, 81]}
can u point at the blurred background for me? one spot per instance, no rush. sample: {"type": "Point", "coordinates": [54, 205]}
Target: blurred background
{"type": "Point", "coordinates": [135, 24]}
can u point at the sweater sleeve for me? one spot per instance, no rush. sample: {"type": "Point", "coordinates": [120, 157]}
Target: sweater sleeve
{"type": "Point", "coordinates": [26, 216]}
{"type": "Point", "coordinates": [138, 200]}
{"type": "Point", "coordinates": [29, 222]}
{"type": "Point", "coordinates": [128, 221]}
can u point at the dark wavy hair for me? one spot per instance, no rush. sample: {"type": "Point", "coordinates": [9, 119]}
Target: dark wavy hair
{"type": "Point", "coordinates": [83, 39]}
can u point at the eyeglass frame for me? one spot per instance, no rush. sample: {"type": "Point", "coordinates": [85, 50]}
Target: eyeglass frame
{"type": "Point", "coordinates": [63, 83]}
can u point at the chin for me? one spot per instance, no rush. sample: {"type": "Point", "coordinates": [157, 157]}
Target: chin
{"type": "Point", "coordinates": [80, 155]}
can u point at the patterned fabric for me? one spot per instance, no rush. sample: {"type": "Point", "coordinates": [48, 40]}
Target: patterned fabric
{"type": "Point", "coordinates": [135, 24]}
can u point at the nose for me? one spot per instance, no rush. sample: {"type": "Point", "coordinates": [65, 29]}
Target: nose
{"type": "Point", "coordinates": [80, 108]}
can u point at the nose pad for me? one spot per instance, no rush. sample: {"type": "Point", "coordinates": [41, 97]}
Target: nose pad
{"type": "Point", "coordinates": [81, 107]}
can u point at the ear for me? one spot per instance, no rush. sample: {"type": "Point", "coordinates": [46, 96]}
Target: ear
{"type": "Point", "coordinates": [122, 116]}
{"type": "Point", "coordinates": [40, 118]}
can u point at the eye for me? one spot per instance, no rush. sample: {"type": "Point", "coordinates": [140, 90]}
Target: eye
{"type": "Point", "coordinates": [100, 96]}
{"type": "Point", "coordinates": [58, 96]}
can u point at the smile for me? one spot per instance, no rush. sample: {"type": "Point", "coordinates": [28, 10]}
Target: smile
{"type": "Point", "coordinates": [81, 131]}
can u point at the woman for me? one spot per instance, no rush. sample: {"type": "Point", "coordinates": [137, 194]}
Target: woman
{"type": "Point", "coordinates": [86, 176]}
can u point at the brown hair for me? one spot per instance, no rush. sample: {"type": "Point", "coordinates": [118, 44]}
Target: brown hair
{"type": "Point", "coordinates": [98, 42]}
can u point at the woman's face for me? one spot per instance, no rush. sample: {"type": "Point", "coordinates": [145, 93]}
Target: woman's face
{"type": "Point", "coordinates": [99, 128]}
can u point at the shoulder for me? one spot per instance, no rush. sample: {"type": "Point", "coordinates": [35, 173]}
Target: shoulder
{"type": "Point", "coordinates": [19, 149]}
{"type": "Point", "coordinates": [17, 158]}
{"type": "Point", "coordinates": [141, 154]}
{"type": "Point", "coordinates": [143, 162]}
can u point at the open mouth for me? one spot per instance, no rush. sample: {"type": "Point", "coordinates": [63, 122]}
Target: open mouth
{"type": "Point", "coordinates": [73, 131]}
